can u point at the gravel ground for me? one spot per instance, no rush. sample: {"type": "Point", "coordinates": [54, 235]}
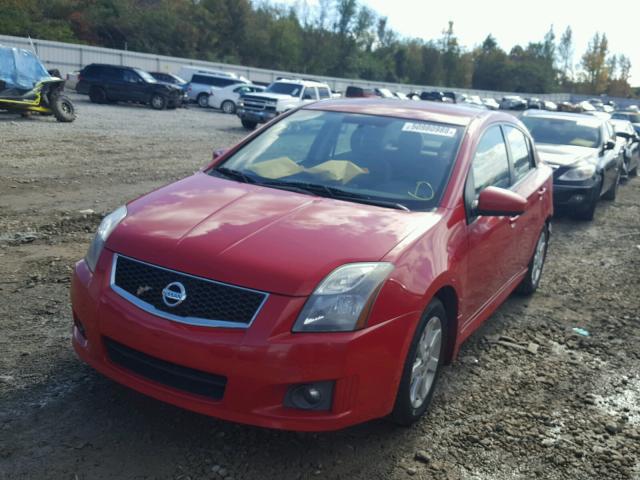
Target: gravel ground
{"type": "Point", "coordinates": [527, 398]}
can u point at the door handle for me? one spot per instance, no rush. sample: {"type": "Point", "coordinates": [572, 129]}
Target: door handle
{"type": "Point", "coordinates": [542, 191]}
{"type": "Point", "coordinates": [513, 220]}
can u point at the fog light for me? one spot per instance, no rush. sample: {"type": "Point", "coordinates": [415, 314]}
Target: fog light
{"type": "Point", "coordinates": [310, 396]}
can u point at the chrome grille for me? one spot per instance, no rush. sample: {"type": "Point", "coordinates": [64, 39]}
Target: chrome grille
{"type": "Point", "coordinates": [207, 302]}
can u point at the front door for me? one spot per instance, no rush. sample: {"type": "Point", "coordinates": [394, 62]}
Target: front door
{"type": "Point", "coordinates": [491, 240]}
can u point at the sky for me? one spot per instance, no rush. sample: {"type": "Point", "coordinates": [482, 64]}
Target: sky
{"type": "Point", "coordinates": [517, 22]}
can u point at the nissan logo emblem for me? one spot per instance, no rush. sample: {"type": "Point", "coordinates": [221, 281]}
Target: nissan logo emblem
{"type": "Point", "coordinates": [174, 294]}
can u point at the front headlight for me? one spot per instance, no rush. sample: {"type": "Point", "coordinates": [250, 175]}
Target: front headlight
{"type": "Point", "coordinates": [581, 172]}
{"type": "Point", "coordinates": [272, 103]}
{"type": "Point", "coordinates": [108, 225]}
{"type": "Point", "coordinates": [342, 301]}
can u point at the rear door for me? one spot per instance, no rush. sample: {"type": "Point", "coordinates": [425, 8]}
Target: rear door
{"type": "Point", "coordinates": [490, 239]}
{"type": "Point", "coordinates": [530, 182]}
{"type": "Point", "coordinates": [610, 158]}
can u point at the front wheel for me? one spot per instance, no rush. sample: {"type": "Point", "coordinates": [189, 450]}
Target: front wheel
{"type": "Point", "coordinates": [249, 125]}
{"type": "Point", "coordinates": [531, 281]}
{"type": "Point", "coordinates": [158, 102]}
{"type": "Point", "coordinates": [422, 366]}
{"type": "Point", "coordinates": [63, 109]}
{"type": "Point", "coordinates": [203, 100]}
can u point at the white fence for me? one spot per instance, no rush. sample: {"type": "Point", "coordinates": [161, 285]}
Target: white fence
{"type": "Point", "coordinates": [68, 57]}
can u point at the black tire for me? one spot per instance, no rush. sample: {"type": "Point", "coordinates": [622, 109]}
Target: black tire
{"type": "Point", "coordinates": [228, 107]}
{"type": "Point", "coordinates": [98, 95]}
{"type": "Point", "coordinates": [158, 102]}
{"type": "Point", "coordinates": [249, 125]}
{"type": "Point", "coordinates": [612, 193]}
{"type": "Point", "coordinates": [63, 109]}
{"type": "Point", "coordinates": [404, 411]}
{"type": "Point", "coordinates": [633, 172]}
{"type": "Point", "coordinates": [531, 281]}
{"type": "Point", "coordinates": [203, 100]}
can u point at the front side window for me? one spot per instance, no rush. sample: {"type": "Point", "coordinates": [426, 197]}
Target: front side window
{"type": "Point", "coordinates": [519, 145]}
{"type": "Point", "coordinates": [310, 93]}
{"type": "Point", "coordinates": [324, 92]}
{"type": "Point", "coordinates": [130, 76]}
{"type": "Point", "coordinates": [393, 162]}
{"type": "Point", "coordinates": [146, 76]}
{"type": "Point", "coordinates": [490, 164]}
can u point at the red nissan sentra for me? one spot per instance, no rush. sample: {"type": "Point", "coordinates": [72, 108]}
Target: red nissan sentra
{"type": "Point", "coordinates": [321, 272]}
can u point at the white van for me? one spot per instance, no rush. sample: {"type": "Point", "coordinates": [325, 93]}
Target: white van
{"type": "Point", "coordinates": [188, 71]}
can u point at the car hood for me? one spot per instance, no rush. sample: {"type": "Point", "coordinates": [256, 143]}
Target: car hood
{"type": "Point", "coordinates": [257, 237]}
{"type": "Point", "coordinates": [565, 155]}
{"type": "Point", "coordinates": [272, 96]}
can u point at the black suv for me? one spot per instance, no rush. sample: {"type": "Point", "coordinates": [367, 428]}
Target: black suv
{"type": "Point", "coordinates": [114, 83]}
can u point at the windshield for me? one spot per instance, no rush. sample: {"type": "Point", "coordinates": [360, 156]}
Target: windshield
{"type": "Point", "coordinates": [20, 69]}
{"type": "Point", "coordinates": [564, 131]}
{"type": "Point", "coordinates": [362, 158]}
{"type": "Point", "coordinates": [632, 117]}
{"type": "Point", "coordinates": [146, 76]}
{"type": "Point", "coordinates": [285, 89]}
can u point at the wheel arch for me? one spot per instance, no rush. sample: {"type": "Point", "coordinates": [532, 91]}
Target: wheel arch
{"type": "Point", "coordinates": [448, 296]}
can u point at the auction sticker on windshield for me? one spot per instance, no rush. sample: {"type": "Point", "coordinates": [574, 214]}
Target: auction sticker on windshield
{"type": "Point", "coordinates": [429, 128]}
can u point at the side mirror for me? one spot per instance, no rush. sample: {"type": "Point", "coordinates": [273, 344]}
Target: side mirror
{"type": "Point", "coordinates": [217, 153]}
{"type": "Point", "coordinates": [497, 202]}
{"type": "Point", "coordinates": [609, 145]}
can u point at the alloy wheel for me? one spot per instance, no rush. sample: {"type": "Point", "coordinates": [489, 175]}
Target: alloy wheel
{"type": "Point", "coordinates": [425, 365]}
{"type": "Point", "coordinates": [538, 258]}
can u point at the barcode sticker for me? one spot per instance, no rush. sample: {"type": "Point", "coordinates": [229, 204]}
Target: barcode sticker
{"type": "Point", "coordinates": [429, 129]}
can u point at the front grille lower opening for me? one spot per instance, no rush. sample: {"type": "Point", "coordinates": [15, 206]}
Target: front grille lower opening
{"type": "Point", "coordinates": [186, 379]}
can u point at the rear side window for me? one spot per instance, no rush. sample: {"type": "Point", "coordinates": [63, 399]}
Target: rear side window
{"type": "Point", "coordinates": [522, 158]}
{"type": "Point", "coordinates": [113, 74]}
{"type": "Point", "coordinates": [490, 165]}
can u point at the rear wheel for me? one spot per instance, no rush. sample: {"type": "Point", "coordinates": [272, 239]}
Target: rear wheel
{"type": "Point", "coordinates": [158, 102]}
{"type": "Point", "coordinates": [63, 109]}
{"type": "Point", "coordinates": [531, 281]}
{"type": "Point", "coordinates": [422, 366]}
{"type": "Point", "coordinates": [249, 125]}
{"type": "Point", "coordinates": [228, 106]}
{"type": "Point", "coordinates": [634, 171]}
{"type": "Point", "coordinates": [203, 100]}
{"type": "Point", "coordinates": [97, 95]}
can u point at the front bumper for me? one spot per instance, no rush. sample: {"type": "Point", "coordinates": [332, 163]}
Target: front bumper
{"type": "Point", "coordinates": [579, 195]}
{"type": "Point", "coordinates": [258, 116]}
{"type": "Point", "coordinates": [259, 363]}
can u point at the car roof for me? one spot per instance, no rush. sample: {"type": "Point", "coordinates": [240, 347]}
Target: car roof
{"type": "Point", "coordinates": [453, 114]}
{"type": "Point", "coordinates": [306, 83]}
{"type": "Point", "coordinates": [124, 67]}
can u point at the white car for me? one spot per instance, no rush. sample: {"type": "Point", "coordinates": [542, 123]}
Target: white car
{"type": "Point", "coordinates": [226, 98]}
{"type": "Point", "coordinates": [281, 96]}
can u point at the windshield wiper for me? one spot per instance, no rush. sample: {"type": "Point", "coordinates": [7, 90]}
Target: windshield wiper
{"type": "Point", "coordinates": [333, 192]}
{"type": "Point", "coordinates": [234, 174]}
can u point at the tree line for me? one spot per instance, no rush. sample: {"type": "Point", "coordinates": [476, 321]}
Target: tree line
{"type": "Point", "coordinates": [340, 38]}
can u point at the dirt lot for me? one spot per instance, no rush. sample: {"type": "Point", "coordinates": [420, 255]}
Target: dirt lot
{"type": "Point", "coordinates": [571, 410]}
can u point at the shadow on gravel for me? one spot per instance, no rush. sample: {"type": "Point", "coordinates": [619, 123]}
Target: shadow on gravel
{"type": "Point", "coordinates": [89, 425]}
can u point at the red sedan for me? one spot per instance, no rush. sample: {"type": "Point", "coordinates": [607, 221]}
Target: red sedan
{"type": "Point", "coordinates": [320, 273]}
